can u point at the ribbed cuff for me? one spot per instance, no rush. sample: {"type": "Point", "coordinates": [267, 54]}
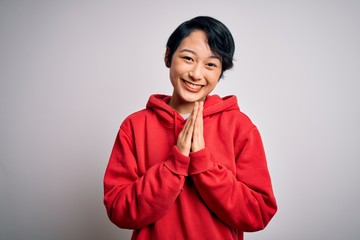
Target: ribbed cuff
{"type": "Point", "coordinates": [200, 161]}
{"type": "Point", "coordinates": [178, 163]}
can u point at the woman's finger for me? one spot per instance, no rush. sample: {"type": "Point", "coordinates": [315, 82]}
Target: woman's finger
{"type": "Point", "coordinates": [198, 142]}
{"type": "Point", "coordinates": [185, 136]}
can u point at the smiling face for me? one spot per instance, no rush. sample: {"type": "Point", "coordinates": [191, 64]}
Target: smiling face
{"type": "Point", "coordinates": [194, 72]}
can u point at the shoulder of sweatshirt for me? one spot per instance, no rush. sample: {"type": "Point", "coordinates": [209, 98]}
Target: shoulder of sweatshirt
{"type": "Point", "coordinates": [243, 126]}
{"type": "Point", "coordinates": [237, 117]}
{"type": "Point", "coordinates": [135, 119]}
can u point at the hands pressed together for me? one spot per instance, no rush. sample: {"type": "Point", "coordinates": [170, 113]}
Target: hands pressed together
{"type": "Point", "coordinates": [191, 137]}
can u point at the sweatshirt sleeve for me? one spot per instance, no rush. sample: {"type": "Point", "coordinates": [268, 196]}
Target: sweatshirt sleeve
{"type": "Point", "coordinates": [133, 199]}
{"type": "Point", "coordinates": [244, 200]}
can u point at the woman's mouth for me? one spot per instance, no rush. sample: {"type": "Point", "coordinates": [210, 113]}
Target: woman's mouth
{"type": "Point", "coordinates": [192, 87]}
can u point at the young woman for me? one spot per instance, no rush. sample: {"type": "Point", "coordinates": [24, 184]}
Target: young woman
{"type": "Point", "coordinates": [190, 165]}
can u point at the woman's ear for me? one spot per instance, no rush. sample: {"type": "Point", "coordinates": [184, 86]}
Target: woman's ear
{"type": "Point", "coordinates": [166, 58]}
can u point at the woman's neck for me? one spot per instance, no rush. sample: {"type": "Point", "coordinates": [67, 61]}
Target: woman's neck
{"type": "Point", "coordinates": [181, 107]}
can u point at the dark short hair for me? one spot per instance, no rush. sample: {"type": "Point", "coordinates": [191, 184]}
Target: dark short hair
{"type": "Point", "coordinates": [218, 35]}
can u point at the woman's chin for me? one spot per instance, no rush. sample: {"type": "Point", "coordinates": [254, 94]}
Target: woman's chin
{"type": "Point", "coordinates": [192, 97]}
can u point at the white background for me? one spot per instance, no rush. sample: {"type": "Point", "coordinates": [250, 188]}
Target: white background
{"type": "Point", "coordinates": [71, 71]}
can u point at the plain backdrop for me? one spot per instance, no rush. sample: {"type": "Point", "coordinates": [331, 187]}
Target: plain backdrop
{"type": "Point", "coordinates": [71, 71]}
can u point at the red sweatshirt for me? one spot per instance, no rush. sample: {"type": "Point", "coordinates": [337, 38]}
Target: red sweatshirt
{"type": "Point", "coordinates": [218, 192]}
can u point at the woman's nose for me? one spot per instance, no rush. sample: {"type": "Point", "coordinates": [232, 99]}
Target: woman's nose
{"type": "Point", "coordinates": [196, 72]}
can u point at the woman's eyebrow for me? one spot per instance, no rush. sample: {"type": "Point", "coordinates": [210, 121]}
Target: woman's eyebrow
{"type": "Point", "coordinates": [190, 51]}
{"type": "Point", "coordinates": [187, 50]}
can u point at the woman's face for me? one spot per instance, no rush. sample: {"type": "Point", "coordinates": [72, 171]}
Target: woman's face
{"type": "Point", "coordinates": [194, 71]}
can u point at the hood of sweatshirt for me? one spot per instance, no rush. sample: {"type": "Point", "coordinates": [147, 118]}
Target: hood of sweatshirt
{"type": "Point", "coordinates": [213, 104]}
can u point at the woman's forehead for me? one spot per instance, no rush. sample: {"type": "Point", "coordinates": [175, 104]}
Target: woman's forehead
{"type": "Point", "coordinates": [196, 43]}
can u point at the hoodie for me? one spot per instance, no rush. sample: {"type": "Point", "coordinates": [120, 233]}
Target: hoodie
{"type": "Point", "coordinates": [219, 192]}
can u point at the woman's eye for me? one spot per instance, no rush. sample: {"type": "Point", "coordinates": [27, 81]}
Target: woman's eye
{"type": "Point", "coordinates": [212, 65]}
{"type": "Point", "coordinates": [187, 58]}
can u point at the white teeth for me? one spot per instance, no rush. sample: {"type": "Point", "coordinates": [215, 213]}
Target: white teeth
{"type": "Point", "coordinates": [191, 85]}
